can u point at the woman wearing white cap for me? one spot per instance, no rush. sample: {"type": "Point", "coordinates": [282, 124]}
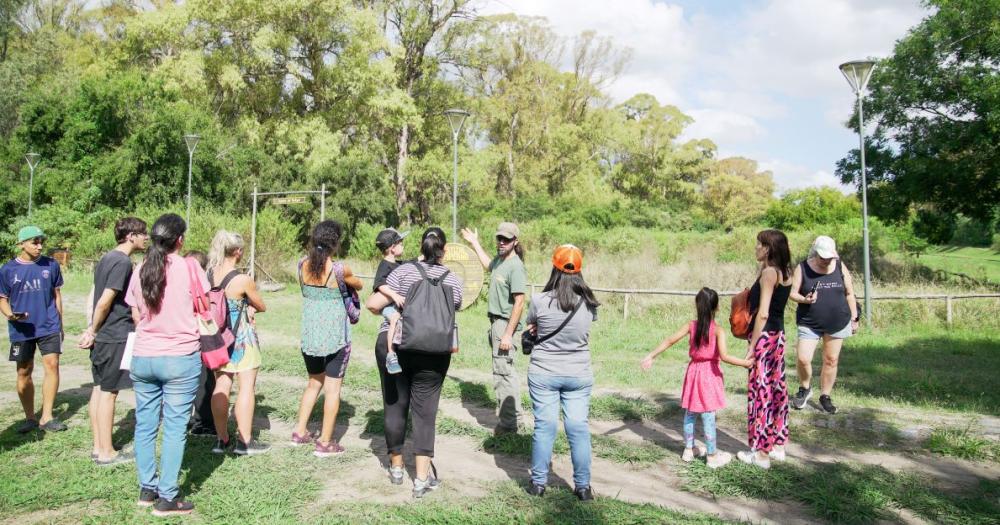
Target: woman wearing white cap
{"type": "Point", "coordinates": [827, 310]}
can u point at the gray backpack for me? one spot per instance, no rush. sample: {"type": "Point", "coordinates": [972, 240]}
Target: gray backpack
{"type": "Point", "coordinates": [428, 318]}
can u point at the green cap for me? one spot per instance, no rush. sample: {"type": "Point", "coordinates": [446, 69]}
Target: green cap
{"type": "Point", "coordinates": [29, 232]}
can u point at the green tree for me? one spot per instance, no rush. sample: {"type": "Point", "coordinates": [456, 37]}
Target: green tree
{"type": "Point", "coordinates": [736, 193]}
{"type": "Point", "coordinates": [935, 104]}
{"type": "Point", "coordinates": [811, 207]}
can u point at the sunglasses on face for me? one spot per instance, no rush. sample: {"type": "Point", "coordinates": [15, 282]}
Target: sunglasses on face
{"type": "Point", "coordinates": [504, 240]}
{"type": "Point", "coordinates": [37, 241]}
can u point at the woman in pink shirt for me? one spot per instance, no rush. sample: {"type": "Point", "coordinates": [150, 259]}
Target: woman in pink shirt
{"type": "Point", "coordinates": [166, 363]}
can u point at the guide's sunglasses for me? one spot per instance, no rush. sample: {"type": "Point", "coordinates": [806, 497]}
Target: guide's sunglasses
{"type": "Point", "coordinates": [504, 240]}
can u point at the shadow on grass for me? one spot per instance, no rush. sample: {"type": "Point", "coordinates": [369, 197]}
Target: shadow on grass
{"type": "Point", "coordinates": [67, 404]}
{"type": "Point", "coordinates": [849, 493]}
{"type": "Point", "coordinates": [939, 372]}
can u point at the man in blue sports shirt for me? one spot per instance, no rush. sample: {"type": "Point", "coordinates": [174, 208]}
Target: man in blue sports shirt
{"type": "Point", "coordinates": [32, 303]}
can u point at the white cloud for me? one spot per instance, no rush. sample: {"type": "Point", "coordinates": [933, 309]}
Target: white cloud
{"type": "Point", "coordinates": [788, 175]}
{"type": "Point", "coordinates": [723, 127]}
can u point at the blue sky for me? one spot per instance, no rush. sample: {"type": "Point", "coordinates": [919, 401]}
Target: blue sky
{"type": "Point", "coordinates": [759, 77]}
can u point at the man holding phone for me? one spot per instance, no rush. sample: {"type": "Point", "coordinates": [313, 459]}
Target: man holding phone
{"type": "Point", "coordinates": [31, 301]}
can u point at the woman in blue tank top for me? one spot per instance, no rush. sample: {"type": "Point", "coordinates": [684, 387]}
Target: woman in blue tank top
{"type": "Point", "coordinates": [827, 310]}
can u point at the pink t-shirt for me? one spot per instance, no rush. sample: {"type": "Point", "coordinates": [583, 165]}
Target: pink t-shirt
{"type": "Point", "coordinates": [173, 331]}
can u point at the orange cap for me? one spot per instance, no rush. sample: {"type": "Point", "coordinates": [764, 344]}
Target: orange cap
{"type": "Point", "coordinates": [568, 259]}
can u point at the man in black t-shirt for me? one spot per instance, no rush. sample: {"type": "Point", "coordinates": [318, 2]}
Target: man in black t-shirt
{"type": "Point", "coordinates": [107, 335]}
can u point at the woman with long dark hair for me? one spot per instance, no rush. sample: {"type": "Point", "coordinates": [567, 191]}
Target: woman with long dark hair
{"type": "Point", "coordinates": [559, 373]}
{"type": "Point", "coordinates": [166, 362]}
{"type": "Point", "coordinates": [767, 393]}
{"type": "Point", "coordinates": [326, 333]}
{"type": "Point", "coordinates": [416, 390]}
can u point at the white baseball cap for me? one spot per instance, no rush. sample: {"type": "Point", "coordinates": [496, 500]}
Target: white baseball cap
{"type": "Point", "coordinates": [825, 247]}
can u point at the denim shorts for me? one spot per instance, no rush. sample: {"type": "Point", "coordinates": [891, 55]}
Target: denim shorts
{"type": "Point", "coordinates": [808, 333]}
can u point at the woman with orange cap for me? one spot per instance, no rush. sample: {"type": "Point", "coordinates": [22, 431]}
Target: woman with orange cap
{"type": "Point", "coordinates": [559, 373]}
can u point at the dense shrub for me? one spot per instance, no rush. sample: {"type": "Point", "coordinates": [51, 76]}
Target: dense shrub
{"type": "Point", "coordinates": [812, 207]}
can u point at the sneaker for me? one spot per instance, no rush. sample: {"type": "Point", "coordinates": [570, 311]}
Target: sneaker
{"type": "Point", "coordinates": [690, 453]}
{"type": "Point", "coordinates": [27, 426]}
{"type": "Point", "coordinates": [302, 440]}
{"type": "Point", "coordinates": [801, 397]}
{"type": "Point", "coordinates": [396, 475]}
{"type": "Point", "coordinates": [392, 363]}
{"type": "Point", "coordinates": [252, 448]}
{"type": "Point", "coordinates": [536, 489]}
{"type": "Point", "coordinates": [172, 507]}
{"type": "Point", "coordinates": [147, 497]}
{"type": "Point", "coordinates": [119, 459]}
{"type": "Point", "coordinates": [750, 457]}
{"type": "Point", "coordinates": [220, 446]}
{"type": "Point", "coordinates": [827, 405]}
{"type": "Point", "coordinates": [421, 486]}
{"type": "Point", "coordinates": [201, 431]}
{"type": "Point", "coordinates": [584, 493]}
{"type": "Point", "coordinates": [719, 459]}
{"type": "Point", "coordinates": [54, 425]}
{"type": "Point", "coordinates": [777, 454]}
{"type": "Point", "coordinates": [330, 449]}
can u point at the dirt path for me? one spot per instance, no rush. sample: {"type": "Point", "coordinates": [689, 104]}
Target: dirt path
{"type": "Point", "coordinates": [468, 471]}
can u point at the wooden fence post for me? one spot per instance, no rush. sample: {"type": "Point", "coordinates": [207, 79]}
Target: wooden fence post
{"type": "Point", "coordinates": [625, 309]}
{"type": "Point", "coordinates": [948, 314]}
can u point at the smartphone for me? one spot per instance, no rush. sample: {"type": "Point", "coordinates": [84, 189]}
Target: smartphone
{"type": "Point", "coordinates": [19, 316]}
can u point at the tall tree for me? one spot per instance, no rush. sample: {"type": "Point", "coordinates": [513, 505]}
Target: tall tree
{"type": "Point", "coordinates": [935, 104]}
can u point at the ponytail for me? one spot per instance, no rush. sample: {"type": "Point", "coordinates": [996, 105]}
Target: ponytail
{"type": "Point", "coordinates": [706, 302]}
{"type": "Point", "coordinates": [323, 245]}
{"type": "Point", "coordinates": [167, 230]}
{"type": "Point", "coordinates": [432, 245]}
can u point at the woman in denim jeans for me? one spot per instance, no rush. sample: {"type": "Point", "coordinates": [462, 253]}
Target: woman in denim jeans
{"type": "Point", "coordinates": [559, 373]}
{"type": "Point", "coordinates": [166, 363]}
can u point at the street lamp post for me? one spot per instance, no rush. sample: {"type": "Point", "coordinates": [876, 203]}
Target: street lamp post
{"type": "Point", "coordinates": [32, 159]}
{"type": "Point", "coordinates": [192, 142]}
{"type": "Point", "coordinates": [456, 117]}
{"type": "Point", "coordinates": [858, 73]}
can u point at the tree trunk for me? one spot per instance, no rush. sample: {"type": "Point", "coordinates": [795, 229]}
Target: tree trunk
{"type": "Point", "coordinates": [399, 179]}
{"type": "Point", "coordinates": [505, 179]}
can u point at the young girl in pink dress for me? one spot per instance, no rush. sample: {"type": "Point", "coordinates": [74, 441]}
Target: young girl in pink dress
{"type": "Point", "coordinates": [703, 391]}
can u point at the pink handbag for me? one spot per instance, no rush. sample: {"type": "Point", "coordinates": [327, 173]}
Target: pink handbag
{"type": "Point", "coordinates": [210, 312]}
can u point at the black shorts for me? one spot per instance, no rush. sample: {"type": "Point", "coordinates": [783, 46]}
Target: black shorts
{"type": "Point", "coordinates": [105, 366]}
{"type": "Point", "coordinates": [24, 351]}
{"type": "Point", "coordinates": [335, 365]}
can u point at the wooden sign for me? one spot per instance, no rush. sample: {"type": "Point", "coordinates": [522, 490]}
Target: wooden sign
{"type": "Point", "coordinates": [288, 200]}
{"type": "Point", "coordinates": [463, 262]}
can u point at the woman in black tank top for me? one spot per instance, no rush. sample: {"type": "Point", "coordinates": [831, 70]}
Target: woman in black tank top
{"type": "Point", "coordinates": [827, 310]}
{"type": "Point", "coordinates": [767, 394]}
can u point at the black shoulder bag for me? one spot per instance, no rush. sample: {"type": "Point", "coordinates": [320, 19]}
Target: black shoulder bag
{"type": "Point", "coordinates": [529, 341]}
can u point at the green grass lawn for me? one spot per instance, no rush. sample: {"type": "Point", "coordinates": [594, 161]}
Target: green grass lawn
{"type": "Point", "coordinates": [979, 263]}
{"type": "Point", "coordinates": [908, 367]}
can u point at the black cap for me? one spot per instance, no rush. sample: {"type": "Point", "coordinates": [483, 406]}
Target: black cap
{"type": "Point", "coordinates": [388, 237]}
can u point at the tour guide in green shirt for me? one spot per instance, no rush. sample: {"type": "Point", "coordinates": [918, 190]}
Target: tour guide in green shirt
{"type": "Point", "coordinates": [508, 286]}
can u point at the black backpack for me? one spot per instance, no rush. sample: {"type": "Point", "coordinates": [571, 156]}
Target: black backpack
{"type": "Point", "coordinates": [428, 318]}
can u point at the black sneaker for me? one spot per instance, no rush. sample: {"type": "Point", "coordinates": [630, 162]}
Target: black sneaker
{"type": "Point", "coordinates": [147, 497]}
{"type": "Point", "coordinates": [252, 448]}
{"type": "Point", "coordinates": [536, 489]}
{"type": "Point", "coordinates": [27, 426]}
{"type": "Point", "coordinates": [801, 397]}
{"type": "Point", "coordinates": [827, 405]}
{"type": "Point", "coordinates": [172, 507]}
{"type": "Point", "coordinates": [221, 447]}
{"type": "Point", "coordinates": [584, 493]}
{"type": "Point", "coordinates": [201, 431]}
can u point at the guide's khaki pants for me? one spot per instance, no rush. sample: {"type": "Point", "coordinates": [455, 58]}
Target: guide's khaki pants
{"type": "Point", "coordinates": [505, 379]}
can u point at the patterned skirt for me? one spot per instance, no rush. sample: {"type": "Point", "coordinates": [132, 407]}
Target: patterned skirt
{"type": "Point", "coordinates": [767, 394]}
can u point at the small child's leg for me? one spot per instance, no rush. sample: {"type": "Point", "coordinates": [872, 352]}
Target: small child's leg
{"type": "Point", "coordinates": [393, 321]}
{"type": "Point", "coordinates": [708, 426]}
{"type": "Point", "coordinates": [688, 429]}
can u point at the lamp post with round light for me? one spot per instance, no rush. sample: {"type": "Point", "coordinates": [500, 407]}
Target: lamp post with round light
{"type": "Point", "coordinates": [857, 73]}
{"type": "Point", "coordinates": [456, 117]}
{"type": "Point", "coordinates": [32, 159]}
{"type": "Point", "coordinates": [191, 140]}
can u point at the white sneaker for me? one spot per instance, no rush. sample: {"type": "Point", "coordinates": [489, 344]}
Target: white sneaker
{"type": "Point", "coordinates": [719, 459]}
{"type": "Point", "coordinates": [750, 457]}
{"type": "Point", "coordinates": [689, 454]}
{"type": "Point", "coordinates": [777, 455]}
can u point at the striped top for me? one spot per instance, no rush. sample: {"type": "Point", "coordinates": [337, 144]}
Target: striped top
{"type": "Point", "coordinates": [406, 275]}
